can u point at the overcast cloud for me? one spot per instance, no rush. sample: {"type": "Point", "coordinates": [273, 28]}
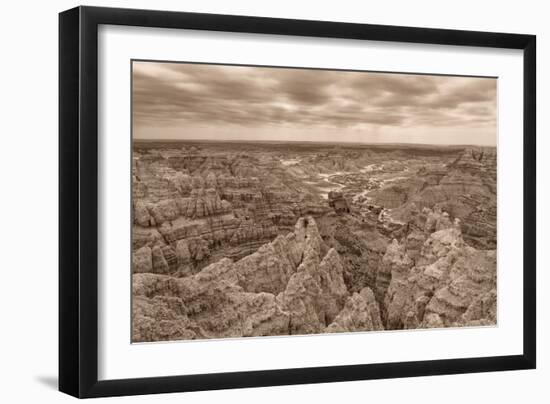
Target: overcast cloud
{"type": "Point", "coordinates": [192, 101]}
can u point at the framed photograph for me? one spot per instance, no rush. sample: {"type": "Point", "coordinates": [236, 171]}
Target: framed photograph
{"type": "Point", "coordinates": [250, 201]}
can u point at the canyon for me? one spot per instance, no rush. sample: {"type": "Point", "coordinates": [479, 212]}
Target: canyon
{"type": "Point", "coordinates": [247, 239]}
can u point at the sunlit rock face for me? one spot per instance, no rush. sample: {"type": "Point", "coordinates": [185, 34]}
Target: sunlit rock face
{"type": "Point", "coordinates": [246, 240]}
{"type": "Point", "coordinates": [361, 313]}
{"type": "Point", "coordinates": [449, 284]}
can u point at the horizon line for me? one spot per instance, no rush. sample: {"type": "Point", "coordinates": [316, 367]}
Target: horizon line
{"type": "Point", "coordinates": [313, 141]}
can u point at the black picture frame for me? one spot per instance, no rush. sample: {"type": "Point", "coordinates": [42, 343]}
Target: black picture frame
{"type": "Point", "coordinates": [78, 201]}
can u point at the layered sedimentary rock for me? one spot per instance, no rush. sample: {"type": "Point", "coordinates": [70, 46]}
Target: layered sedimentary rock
{"type": "Point", "coordinates": [361, 313]}
{"type": "Point", "coordinates": [293, 285]}
{"type": "Point", "coordinates": [198, 208]}
{"type": "Point", "coordinates": [465, 189]}
{"type": "Point", "coordinates": [249, 241]}
{"type": "Point", "coordinates": [448, 284]}
{"type": "Point", "coordinates": [360, 247]}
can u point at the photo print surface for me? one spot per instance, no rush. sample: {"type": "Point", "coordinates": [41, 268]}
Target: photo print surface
{"type": "Point", "coordinates": [272, 201]}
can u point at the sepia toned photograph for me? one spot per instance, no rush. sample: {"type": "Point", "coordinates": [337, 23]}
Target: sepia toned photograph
{"type": "Point", "coordinates": [271, 201]}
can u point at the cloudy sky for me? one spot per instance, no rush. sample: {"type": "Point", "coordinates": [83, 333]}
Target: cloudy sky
{"type": "Point", "coordinates": [194, 101]}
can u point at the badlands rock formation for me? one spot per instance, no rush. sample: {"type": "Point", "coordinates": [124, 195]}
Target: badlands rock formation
{"type": "Point", "coordinates": [191, 209]}
{"type": "Point", "coordinates": [464, 188]}
{"type": "Point", "coordinates": [448, 284]}
{"type": "Point", "coordinates": [293, 285]}
{"type": "Point", "coordinates": [235, 240]}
